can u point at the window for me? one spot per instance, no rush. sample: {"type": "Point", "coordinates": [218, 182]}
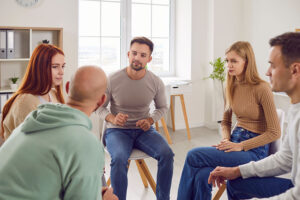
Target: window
{"type": "Point", "coordinates": [107, 26]}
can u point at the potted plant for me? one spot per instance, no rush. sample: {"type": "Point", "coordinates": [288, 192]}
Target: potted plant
{"type": "Point", "coordinates": [218, 75]}
{"type": "Point", "coordinates": [13, 84]}
{"type": "Point", "coordinates": [218, 72]}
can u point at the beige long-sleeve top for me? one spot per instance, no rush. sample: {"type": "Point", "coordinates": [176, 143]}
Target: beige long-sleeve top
{"type": "Point", "coordinates": [255, 111]}
{"type": "Point", "coordinates": [133, 97]}
{"type": "Point", "coordinates": [21, 107]}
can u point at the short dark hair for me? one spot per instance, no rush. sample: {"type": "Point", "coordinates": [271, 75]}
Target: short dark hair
{"type": "Point", "coordinates": [143, 40]}
{"type": "Point", "coordinates": [290, 46]}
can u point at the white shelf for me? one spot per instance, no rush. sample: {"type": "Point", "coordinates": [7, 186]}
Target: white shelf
{"type": "Point", "coordinates": [6, 90]}
{"type": "Point", "coordinates": [14, 60]}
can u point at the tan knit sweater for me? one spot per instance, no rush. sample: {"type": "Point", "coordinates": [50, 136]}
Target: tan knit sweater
{"type": "Point", "coordinates": [255, 110]}
{"type": "Point", "coordinates": [21, 107]}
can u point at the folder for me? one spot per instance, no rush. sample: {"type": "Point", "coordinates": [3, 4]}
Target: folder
{"type": "Point", "coordinates": [2, 44]}
{"type": "Point", "coordinates": [10, 45]}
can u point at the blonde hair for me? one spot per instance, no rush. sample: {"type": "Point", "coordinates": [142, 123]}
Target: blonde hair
{"type": "Point", "coordinates": [251, 76]}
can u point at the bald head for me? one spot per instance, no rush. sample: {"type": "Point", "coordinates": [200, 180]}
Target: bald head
{"type": "Point", "coordinates": [88, 84]}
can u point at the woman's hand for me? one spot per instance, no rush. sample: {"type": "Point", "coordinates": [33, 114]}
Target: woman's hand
{"type": "Point", "coordinates": [228, 146]}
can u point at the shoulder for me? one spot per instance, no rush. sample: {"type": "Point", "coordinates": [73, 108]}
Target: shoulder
{"type": "Point", "coordinates": [117, 74]}
{"type": "Point", "coordinates": [27, 99]}
{"type": "Point", "coordinates": [84, 139]}
{"type": "Point", "coordinates": [263, 91]}
{"type": "Point", "coordinates": [263, 87]}
{"type": "Point", "coordinates": [156, 79]}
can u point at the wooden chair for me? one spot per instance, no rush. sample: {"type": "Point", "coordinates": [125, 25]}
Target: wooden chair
{"type": "Point", "coordinates": [273, 148]}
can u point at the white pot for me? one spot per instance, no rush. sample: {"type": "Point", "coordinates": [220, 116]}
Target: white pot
{"type": "Point", "coordinates": [13, 86]}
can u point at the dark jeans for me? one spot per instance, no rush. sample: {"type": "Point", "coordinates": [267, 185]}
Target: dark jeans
{"type": "Point", "coordinates": [120, 143]}
{"type": "Point", "coordinates": [201, 161]}
{"type": "Point", "coordinates": [257, 187]}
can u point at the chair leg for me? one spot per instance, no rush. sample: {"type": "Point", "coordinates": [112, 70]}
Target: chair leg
{"type": "Point", "coordinates": [172, 111]}
{"type": "Point", "coordinates": [185, 116]}
{"type": "Point", "coordinates": [156, 126]}
{"type": "Point", "coordinates": [147, 173]}
{"type": "Point", "coordinates": [143, 177]}
{"type": "Point", "coordinates": [108, 182]}
{"type": "Point", "coordinates": [166, 130]}
{"type": "Point", "coordinates": [219, 193]}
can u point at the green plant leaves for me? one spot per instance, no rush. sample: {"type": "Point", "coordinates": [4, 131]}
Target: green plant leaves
{"type": "Point", "coordinates": [14, 79]}
{"type": "Point", "coordinates": [218, 69]}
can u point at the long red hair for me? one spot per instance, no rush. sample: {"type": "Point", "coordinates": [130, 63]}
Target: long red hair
{"type": "Point", "coordinates": [38, 77]}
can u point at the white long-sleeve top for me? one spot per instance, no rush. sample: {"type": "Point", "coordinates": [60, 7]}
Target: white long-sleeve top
{"type": "Point", "coordinates": [287, 159]}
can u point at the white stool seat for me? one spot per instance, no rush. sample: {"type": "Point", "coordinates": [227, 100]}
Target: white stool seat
{"type": "Point", "coordinates": [137, 154]}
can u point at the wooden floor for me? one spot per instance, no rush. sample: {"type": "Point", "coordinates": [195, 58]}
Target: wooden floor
{"type": "Point", "coordinates": [181, 145]}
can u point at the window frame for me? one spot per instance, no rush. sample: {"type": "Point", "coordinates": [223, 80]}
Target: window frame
{"type": "Point", "coordinates": [125, 33]}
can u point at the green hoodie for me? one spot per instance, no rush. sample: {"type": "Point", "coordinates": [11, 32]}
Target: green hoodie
{"type": "Point", "coordinates": [52, 155]}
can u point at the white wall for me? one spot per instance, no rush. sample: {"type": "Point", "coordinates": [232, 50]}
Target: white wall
{"type": "Point", "coordinates": [54, 13]}
{"type": "Point", "coordinates": [204, 30]}
{"type": "Point", "coordinates": [266, 19]}
{"type": "Point", "coordinates": [216, 24]}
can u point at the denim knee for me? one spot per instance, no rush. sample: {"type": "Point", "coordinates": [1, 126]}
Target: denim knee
{"type": "Point", "coordinates": [190, 156]}
{"type": "Point", "coordinates": [119, 159]}
{"type": "Point", "coordinates": [194, 157]}
{"type": "Point", "coordinates": [167, 154]}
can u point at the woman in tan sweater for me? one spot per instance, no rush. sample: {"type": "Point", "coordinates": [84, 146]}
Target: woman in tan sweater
{"type": "Point", "coordinates": [251, 100]}
{"type": "Point", "coordinates": [42, 83]}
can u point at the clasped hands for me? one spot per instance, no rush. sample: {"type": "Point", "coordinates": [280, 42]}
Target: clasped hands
{"type": "Point", "coordinates": [228, 146]}
{"type": "Point", "coordinates": [145, 124]}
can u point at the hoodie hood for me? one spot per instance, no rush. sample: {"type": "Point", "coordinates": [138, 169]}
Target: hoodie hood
{"type": "Point", "coordinates": [49, 116]}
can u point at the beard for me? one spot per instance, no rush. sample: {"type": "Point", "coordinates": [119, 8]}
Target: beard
{"type": "Point", "coordinates": [136, 65]}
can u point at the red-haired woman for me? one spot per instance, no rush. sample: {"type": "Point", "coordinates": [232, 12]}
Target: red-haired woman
{"type": "Point", "coordinates": [42, 83]}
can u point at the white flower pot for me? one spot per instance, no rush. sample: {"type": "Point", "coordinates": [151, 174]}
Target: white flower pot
{"type": "Point", "coordinates": [13, 86]}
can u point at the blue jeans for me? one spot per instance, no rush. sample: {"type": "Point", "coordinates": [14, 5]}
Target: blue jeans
{"type": "Point", "coordinates": [257, 187]}
{"type": "Point", "coordinates": [120, 143]}
{"type": "Point", "coordinates": [201, 161]}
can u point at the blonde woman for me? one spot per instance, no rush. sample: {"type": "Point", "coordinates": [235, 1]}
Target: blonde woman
{"type": "Point", "coordinates": [251, 100]}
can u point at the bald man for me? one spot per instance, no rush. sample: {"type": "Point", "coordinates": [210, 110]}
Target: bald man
{"type": "Point", "coordinates": [53, 154]}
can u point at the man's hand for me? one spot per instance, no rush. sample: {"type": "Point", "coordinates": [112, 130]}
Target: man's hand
{"type": "Point", "coordinates": [120, 119]}
{"type": "Point", "coordinates": [145, 124]}
{"type": "Point", "coordinates": [228, 146]}
{"type": "Point", "coordinates": [220, 174]}
{"type": "Point", "coordinates": [107, 194]}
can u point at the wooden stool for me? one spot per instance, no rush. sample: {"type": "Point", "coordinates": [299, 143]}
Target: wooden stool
{"type": "Point", "coordinates": [184, 113]}
{"type": "Point", "coordinates": [163, 122]}
{"type": "Point", "coordinates": [139, 156]}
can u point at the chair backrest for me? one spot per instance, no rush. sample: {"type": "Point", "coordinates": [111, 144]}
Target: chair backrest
{"type": "Point", "coordinates": [274, 146]}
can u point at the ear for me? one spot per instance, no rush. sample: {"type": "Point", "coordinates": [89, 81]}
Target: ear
{"type": "Point", "coordinates": [295, 69]}
{"type": "Point", "coordinates": [150, 59]}
{"type": "Point", "coordinates": [101, 100]}
{"type": "Point", "coordinates": [128, 54]}
{"type": "Point", "coordinates": [67, 86]}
